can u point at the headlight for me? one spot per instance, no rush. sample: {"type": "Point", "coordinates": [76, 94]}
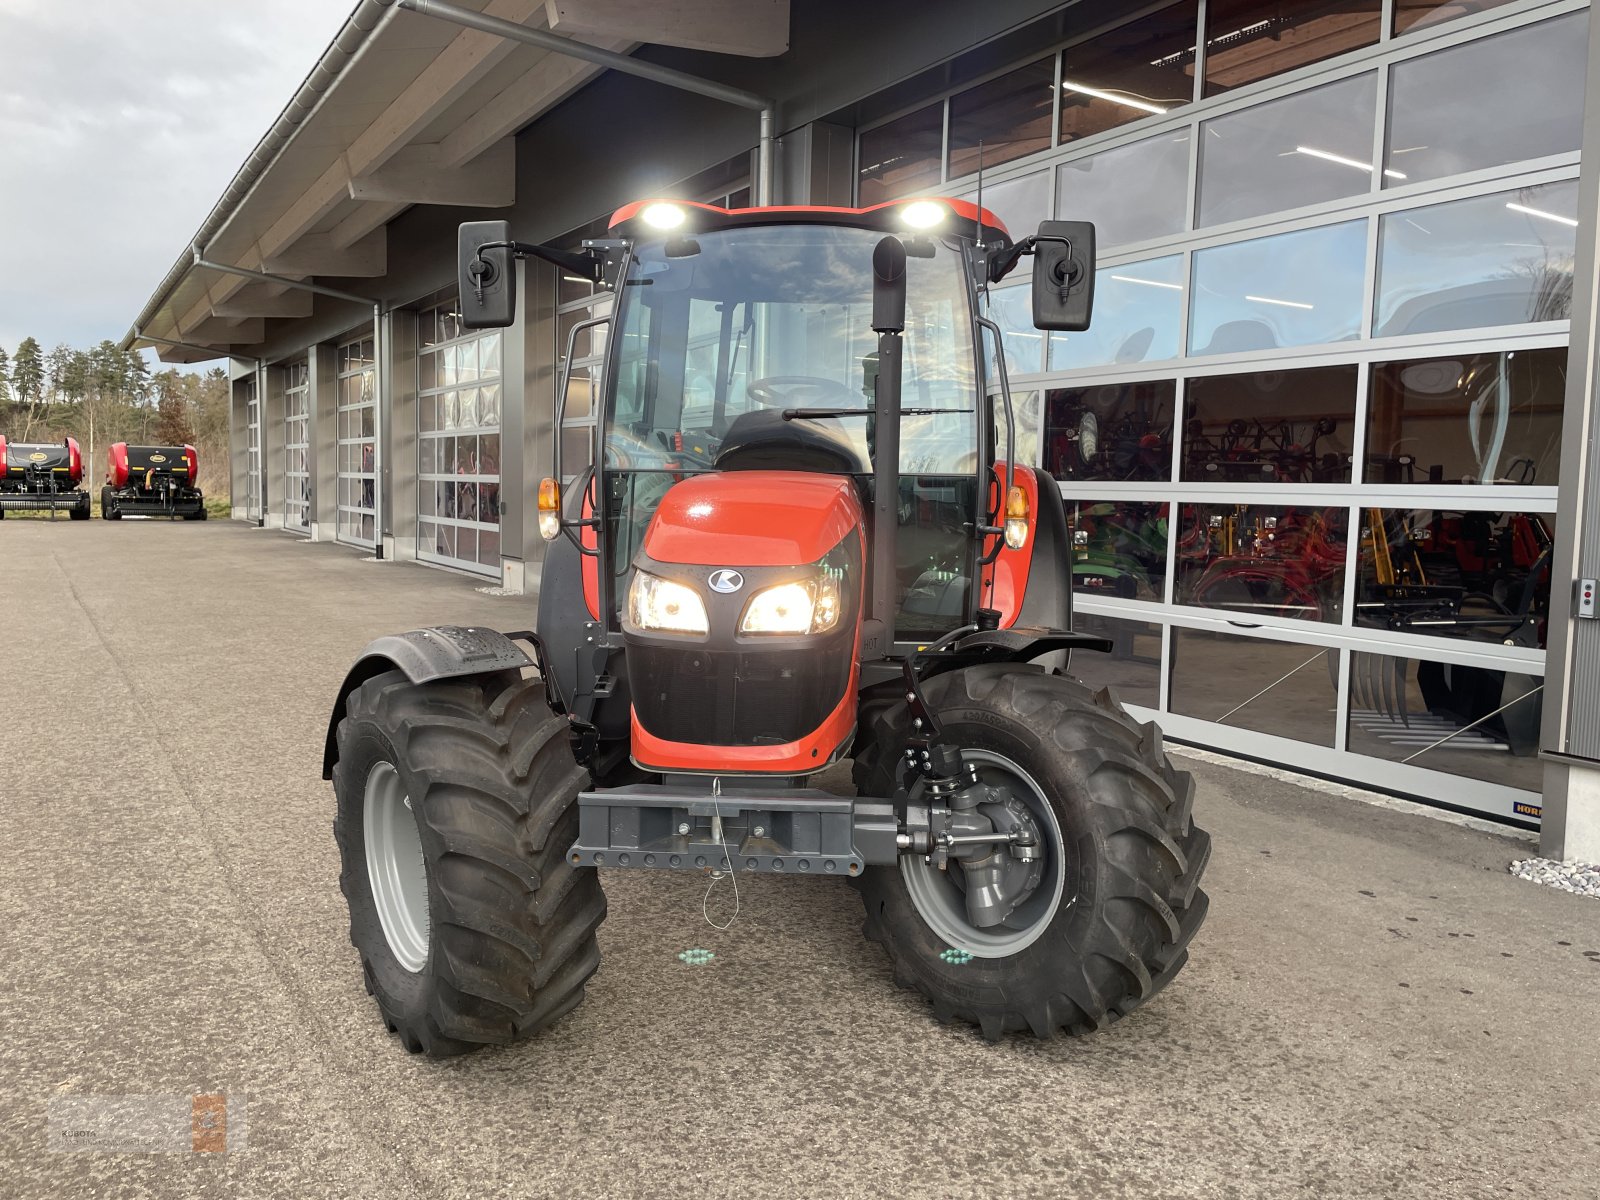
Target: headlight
{"type": "Point", "coordinates": [663, 605]}
{"type": "Point", "coordinates": [810, 606]}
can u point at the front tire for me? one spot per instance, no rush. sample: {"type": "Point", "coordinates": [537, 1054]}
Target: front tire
{"type": "Point", "coordinates": [456, 802]}
{"type": "Point", "coordinates": [1126, 852]}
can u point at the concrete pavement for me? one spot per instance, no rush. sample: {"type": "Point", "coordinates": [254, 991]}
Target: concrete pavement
{"type": "Point", "coordinates": [1375, 1007]}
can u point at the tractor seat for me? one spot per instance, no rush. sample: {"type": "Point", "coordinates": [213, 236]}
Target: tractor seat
{"type": "Point", "coordinates": [761, 440]}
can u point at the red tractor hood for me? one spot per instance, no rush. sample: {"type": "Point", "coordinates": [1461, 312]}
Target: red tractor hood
{"type": "Point", "coordinates": [753, 519]}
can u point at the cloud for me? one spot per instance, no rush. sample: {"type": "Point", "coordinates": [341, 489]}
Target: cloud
{"type": "Point", "coordinates": [120, 125]}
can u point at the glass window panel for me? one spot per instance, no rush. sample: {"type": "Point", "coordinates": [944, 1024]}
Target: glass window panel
{"type": "Point", "coordinates": [368, 421]}
{"type": "Point", "coordinates": [467, 544]}
{"type": "Point", "coordinates": [1132, 193]}
{"type": "Point", "coordinates": [1491, 260]}
{"type": "Point", "coordinates": [448, 410]}
{"type": "Point", "coordinates": [573, 287]}
{"type": "Point", "coordinates": [1142, 69]}
{"type": "Point", "coordinates": [1247, 40]}
{"type": "Point", "coordinates": [902, 156]}
{"type": "Point", "coordinates": [444, 540]}
{"type": "Point", "coordinates": [1286, 689]}
{"type": "Point", "coordinates": [1303, 149]}
{"type": "Point", "coordinates": [1011, 308]}
{"type": "Point", "coordinates": [489, 355]}
{"type": "Point", "coordinates": [1132, 668]}
{"type": "Point", "coordinates": [447, 454]}
{"type": "Point", "coordinates": [576, 446]}
{"type": "Point", "coordinates": [427, 533]}
{"type": "Point", "coordinates": [489, 405]}
{"type": "Point", "coordinates": [1010, 116]}
{"type": "Point", "coordinates": [1468, 418]}
{"type": "Point", "coordinates": [1446, 114]}
{"type": "Point", "coordinates": [1137, 311]}
{"type": "Point", "coordinates": [489, 453]}
{"type": "Point", "coordinates": [1403, 709]}
{"type": "Point", "coordinates": [467, 362]}
{"type": "Point", "coordinates": [1270, 427]}
{"type": "Point", "coordinates": [1019, 203]}
{"type": "Point", "coordinates": [1281, 562]}
{"type": "Point", "coordinates": [1295, 289]}
{"type": "Point", "coordinates": [489, 547]}
{"type": "Point", "coordinates": [1118, 548]}
{"type": "Point", "coordinates": [428, 413]}
{"type": "Point", "coordinates": [580, 393]}
{"type": "Point", "coordinates": [564, 326]}
{"type": "Point", "coordinates": [489, 503]}
{"type": "Point", "coordinates": [447, 367]}
{"type": "Point", "coordinates": [1026, 442]}
{"type": "Point", "coordinates": [1424, 14]}
{"type": "Point", "coordinates": [427, 372]}
{"type": "Point", "coordinates": [468, 408]}
{"type": "Point", "coordinates": [1110, 431]}
{"type": "Point", "coordinates": [1484, 576]}
{"type": "Point", "coordinates": [445, 499]}
{"type": "Point", "coordinates": [449, 322]}
{"type": "Point", "coordinates": [425, 456]}
{"type": "Point", "coordinates": [466, 456]}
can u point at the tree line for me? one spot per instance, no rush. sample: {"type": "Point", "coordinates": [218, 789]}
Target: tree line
{"type": "Point", "coordinates": [105, 394]}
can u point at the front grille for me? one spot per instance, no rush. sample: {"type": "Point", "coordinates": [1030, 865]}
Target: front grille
{"type": "Point", "coordinates": [737, 697]}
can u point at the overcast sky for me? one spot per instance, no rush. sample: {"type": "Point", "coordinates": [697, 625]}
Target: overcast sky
{"type": "Point", "coordinates": [121, 121]}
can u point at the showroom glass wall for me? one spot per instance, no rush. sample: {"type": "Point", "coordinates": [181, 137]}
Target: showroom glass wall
{"type": "Point", "coordinates": [252, 425]}
{"type": "Point", "coordinates": [458, 441]}
{"type": "Point", "coordinates": [1310, 446]}
{"type": "Point", "coordinates": [296, 447]}
{"type": "Point", "coordinates": [357, 423]}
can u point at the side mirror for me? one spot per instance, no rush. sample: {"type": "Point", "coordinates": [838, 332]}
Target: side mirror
{"type": "Point", "coordinates": [486, 274]}
{"type": "Point", "coordinates": [1063, 276]}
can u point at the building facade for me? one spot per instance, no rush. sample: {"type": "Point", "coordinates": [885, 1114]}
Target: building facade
{"type": "Point", "coordinates": [1317, 449]}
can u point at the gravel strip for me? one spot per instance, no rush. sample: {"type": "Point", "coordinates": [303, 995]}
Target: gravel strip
{"type": "Point", "coordinates": [1583, 879]}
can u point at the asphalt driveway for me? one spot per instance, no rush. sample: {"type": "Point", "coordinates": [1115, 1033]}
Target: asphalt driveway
{"type": "Point", "coordinates": [1375, 1007]}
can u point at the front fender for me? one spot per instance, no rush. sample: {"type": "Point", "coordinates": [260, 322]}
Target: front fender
{"type": "Point", "coordinates": [442, 652]}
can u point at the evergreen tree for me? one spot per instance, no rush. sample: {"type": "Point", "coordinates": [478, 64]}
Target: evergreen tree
{"type": "Point", "coordinates": [173, 427]}
{"type": "Point", "coordinates": [27, 372]}
{"type": "Point", "coordinates": [5, 377]}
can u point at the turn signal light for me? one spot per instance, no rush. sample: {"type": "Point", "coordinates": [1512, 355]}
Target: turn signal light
{"type": "Point", "coordinates": [1016, 518]}
{"type": "Point", "coordinates": [549, 510]}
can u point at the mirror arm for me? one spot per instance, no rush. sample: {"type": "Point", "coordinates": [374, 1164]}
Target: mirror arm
{"type": "Point", "coordinates": [1002, 262]}
{"type": "Point", "coordinates": [588, 264]}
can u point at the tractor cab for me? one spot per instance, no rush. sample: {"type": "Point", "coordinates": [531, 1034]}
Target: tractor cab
{"type": "Point", "coordinates": [781, 343]}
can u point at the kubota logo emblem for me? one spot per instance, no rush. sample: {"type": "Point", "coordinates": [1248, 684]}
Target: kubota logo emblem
{"type": "Point", "coordinates": [726, 581]}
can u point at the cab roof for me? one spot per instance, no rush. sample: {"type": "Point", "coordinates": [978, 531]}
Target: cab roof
{"type": "Point", "coordinates": [964, 219]}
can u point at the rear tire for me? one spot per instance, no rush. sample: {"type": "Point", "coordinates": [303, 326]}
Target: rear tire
{"type": "Point", "coordinates": [1133, 857]}
{"type": "Point", "coordinates": [108, 506]}
{"type": "Point", "coordinates": [505, 940]}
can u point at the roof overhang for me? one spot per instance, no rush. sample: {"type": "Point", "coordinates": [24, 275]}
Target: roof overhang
{"type": "Point", "coordinates": [401, 110]}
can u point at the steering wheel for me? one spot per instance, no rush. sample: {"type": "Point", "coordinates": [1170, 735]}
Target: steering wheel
{"type": "Point", "coordinates": [803, 391]}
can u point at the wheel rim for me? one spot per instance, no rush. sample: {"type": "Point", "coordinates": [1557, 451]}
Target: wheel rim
{"type": "Point", "coordinates": [941, 902]}
{"type": "Point", "coordinates": [395, 866]}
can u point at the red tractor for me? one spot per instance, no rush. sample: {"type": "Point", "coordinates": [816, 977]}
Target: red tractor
{"type": "Point", "coordinates": [801, 539]}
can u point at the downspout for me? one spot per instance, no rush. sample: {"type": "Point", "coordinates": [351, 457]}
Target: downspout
{"type": "Point", "coordinates": [682, 80]}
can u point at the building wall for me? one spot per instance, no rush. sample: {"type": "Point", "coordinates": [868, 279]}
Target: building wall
{"type": "Point", "coordinates": [1310, 447]}
{"type": "Point", "coordinates": [1275, 335]}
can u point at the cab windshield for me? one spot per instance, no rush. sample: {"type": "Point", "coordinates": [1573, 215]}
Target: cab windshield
{"type": "Point", "coordinates": [734, 320]}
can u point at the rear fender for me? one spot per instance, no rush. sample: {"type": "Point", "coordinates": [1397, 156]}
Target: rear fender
{"type": "Point", "coordinates": [443, 652]}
